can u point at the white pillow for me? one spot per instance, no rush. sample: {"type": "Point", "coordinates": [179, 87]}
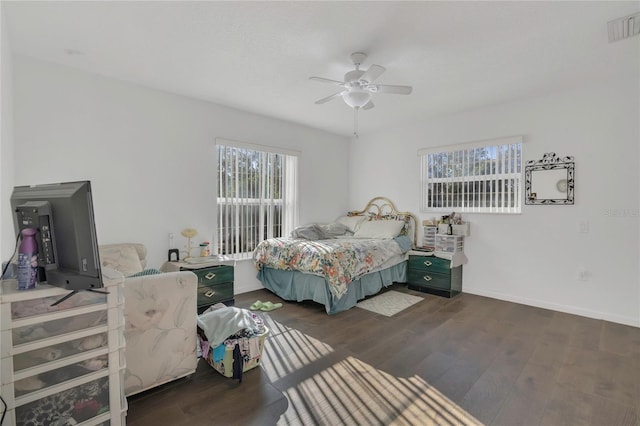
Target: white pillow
{"type": "Point", "coordinates": [351, 222]}
{"type": "Point", "coordinates": [379, 229]}
{"type": "Point", "coordinates": [333, 229]}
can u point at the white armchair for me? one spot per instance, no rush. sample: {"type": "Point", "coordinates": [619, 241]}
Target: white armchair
{"type": "Point", "coordinates": [160, 319]}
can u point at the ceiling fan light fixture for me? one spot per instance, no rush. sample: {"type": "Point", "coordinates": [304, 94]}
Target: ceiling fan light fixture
{"type": "Point", "coordinates": [356, 98]}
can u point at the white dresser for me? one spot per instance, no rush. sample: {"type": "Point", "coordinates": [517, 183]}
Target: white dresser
{"type": "Point", "coordinates": [62, 364]}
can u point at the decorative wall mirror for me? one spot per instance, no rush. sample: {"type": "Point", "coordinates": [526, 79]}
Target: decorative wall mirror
{"type": "Point", "coordinates": [549, 180]}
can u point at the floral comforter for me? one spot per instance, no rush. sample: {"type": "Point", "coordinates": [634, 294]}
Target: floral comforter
{"type": "Point", "coordinates": [340, 261]}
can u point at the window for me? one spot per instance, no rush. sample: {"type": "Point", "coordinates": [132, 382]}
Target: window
{"type": "Point", "coordinates": [480, 177]}
{"type": "Point", "coordinates": [256, 195]}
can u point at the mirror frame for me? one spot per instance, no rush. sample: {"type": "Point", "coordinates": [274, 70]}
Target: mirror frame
{"type": "Point", "coordinates": [550, 161]}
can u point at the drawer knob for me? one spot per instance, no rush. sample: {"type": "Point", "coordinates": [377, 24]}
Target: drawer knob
{"type": "Point", "coordinates": [210, 293]}
{"type": "Point", "coordinates": [427, 278]}
{"type": "Point", "coordinates": [427, 263]}
{"type": "Point", "coordinates": [210, 276]}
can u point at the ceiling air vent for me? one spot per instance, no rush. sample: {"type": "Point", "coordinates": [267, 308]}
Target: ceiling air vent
{"type": "Point", "coordinates": [622, 28]}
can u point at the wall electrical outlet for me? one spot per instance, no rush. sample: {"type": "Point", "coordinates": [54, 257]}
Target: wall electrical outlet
{"type": "Point", "coordinates": [583, 274]}
{"type": "Point", "coordinates": [583, 227]}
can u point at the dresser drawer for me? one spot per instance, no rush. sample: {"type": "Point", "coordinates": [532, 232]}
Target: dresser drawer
{"type": "Point", "coordinates": [214, 274]}
{"type": "Point", "coordinates": [429, 264]}
{"type": "Point", "coordinates": [429, 279]}
{"type": "Point", "coordinates": [213, 293]}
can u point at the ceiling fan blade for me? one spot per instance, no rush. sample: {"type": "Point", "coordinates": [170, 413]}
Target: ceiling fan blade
{"type": "Point", "coordinates": [327, 80]}
{"type": "Point", "coordinates": [372, 73]}
{"type": "Point", "coordinates": [368, 105]}
{"type": "Point", "coordinates": [328, 98]}
{"type": "Point", "coordinates": [387, 88]}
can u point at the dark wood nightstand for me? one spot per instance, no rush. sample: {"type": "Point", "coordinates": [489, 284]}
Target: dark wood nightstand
{"type": "Point", "coordinates": [215, 281]}
{"type": "Point", "coordinates": [434, 275]}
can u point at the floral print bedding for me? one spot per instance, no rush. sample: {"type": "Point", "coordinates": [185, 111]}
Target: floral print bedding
{"type": "Point", "coordinates": [340, 261]}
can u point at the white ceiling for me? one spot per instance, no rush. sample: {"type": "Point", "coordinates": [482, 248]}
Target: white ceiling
{"type": "Point", "coordinates": [258, 56]}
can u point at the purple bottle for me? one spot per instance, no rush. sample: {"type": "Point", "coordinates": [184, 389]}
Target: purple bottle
{"type": "Point", "coordinates": [27, 259]}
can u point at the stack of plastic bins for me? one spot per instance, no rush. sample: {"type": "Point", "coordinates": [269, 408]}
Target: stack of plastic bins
{"type": "Point", "coordinates": [63, 363]}
{"type": "Point", "coordinates": [429, 237]}
{"type": "Point", "coordinates": [449, 243]}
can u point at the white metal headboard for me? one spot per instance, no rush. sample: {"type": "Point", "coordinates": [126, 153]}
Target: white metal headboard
{"type": "Point", "coordinates": [382, 207]}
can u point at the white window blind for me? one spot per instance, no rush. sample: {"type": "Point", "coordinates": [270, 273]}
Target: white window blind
{"type": "Point", "coordinates": [478, 177]}
{"type": "Point", "coordinates": [256, 196]}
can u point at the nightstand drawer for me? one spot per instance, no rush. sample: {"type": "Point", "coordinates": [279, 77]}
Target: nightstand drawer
{"type": "Point", "coordinates": [429, 264]}
{"type": "Point", "coordinates": [214, 293]}
{"type": "Point", "coordinates": [214, 274]}
{"type": "Point", "coordinates": [429, 279]}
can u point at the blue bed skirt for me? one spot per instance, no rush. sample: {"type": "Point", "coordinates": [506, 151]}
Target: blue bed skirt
{"type": "Point", "coordinates": [298, 286]}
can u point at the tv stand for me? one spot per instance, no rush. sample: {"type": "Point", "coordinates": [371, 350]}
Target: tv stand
{"type": "Point", "coordinates": [93, 290]}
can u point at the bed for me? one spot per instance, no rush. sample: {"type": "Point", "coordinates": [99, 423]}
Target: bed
{"type": "Point", "coordinates": [340, 263]}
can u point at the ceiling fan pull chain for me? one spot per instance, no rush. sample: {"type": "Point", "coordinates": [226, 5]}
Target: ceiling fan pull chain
{"type": "Point", "coordinates": [355, 122]}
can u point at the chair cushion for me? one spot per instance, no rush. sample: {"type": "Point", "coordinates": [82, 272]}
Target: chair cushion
{"type": "Point", "coordinates": [121, 257]}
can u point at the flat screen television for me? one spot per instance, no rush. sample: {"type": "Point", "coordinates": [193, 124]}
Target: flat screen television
{"type": "Point", "coordinates": [62, 213]}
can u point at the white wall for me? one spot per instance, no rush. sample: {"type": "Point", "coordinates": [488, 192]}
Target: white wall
{"type": "Point", "coordinates": [150, 155]}
{"type": "Point", "coordinates": [533, 258]}
{"type": "Point", "coordinates": [6, 141]}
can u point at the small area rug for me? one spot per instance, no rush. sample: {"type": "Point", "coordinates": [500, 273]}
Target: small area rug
{"type": "Point", "coordinates": [389, 303]}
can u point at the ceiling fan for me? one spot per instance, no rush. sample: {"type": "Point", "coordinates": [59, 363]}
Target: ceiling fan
{"type": "Point", "coordinates": [359, 87]}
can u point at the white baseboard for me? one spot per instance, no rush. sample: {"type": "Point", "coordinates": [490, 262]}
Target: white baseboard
{"type": "Point", "coordinates": [635, 322]}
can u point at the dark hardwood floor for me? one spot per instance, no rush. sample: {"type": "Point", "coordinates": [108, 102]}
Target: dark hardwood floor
{"type": "Point", "coordinates": [460, 361]}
